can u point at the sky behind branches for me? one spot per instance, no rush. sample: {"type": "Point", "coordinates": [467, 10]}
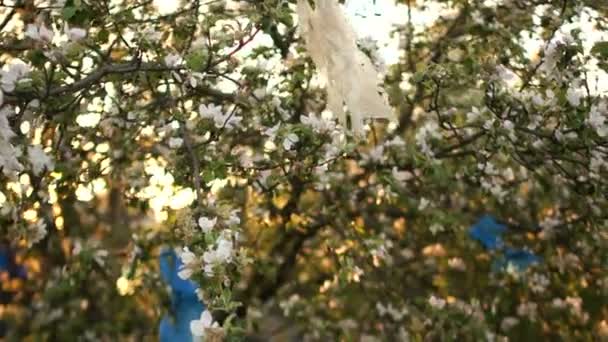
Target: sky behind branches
{"type": "Point", "coordinates": [377, 19]}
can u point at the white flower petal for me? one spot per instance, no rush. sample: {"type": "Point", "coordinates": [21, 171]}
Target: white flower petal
{"type": "Point", "coordinates": [206, 318]}
{"type": "Point", "coordinates": [197, 328]}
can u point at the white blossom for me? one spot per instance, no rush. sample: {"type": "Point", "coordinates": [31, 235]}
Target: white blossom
{"type": "Point", "coordinates": [173, 60]}
{"type": "Point", "coordinates": [12, 73]}
{"type": "Point", "coordinates": [430, 130]}
{"type": "Point", "coordinates": [396, 314]}
{"type": "Point", "coordinates": [220, 119]}
{"type": "Point", "coordinates": [224, 250]}
{"type": "Point", "coordinates": [508, 323]}
{"type": "Point", "coordinates": [187, 256]}
{"type": "Point", "coordinates": [537, 144]}
{"type": "Point", "coordinates": [38, 232]}
{"type": "Point", "coordinates": [185, 273]}
{"type": "Point", "coordinates": [228, 121]}
{"type": "Point", "coordinates": [457, 264]}
{"type": "Point", "coordinates": [290, 141]}
{"type": "Point", "coordinates": [558, 303]}
{"type": "Point", "coordinates": [390, 310]}
{"type": "Point", "coordinates": [39, 32]}
{"type": "Point", "coordinates": [206, 224]}
{"type": "Point", "coordinates": [272, 131]}
{"type": "Point", "coordinates": [194, 78]}
{"type": "Point", "coordinates": [189, 260]}
{"type": "Point", "coordinates": [527, 309]}
{"type": "Point", "coordinates": [574, 95]}
{"type": "Point", "coordinates": [259, 93]}
{"type": "Point", "coordinates": [150, 34]}
{"type": "Point", "coordinates": [436, 228]}
{"type": "Point", "coordinates": [395, 142]}
{"type": "Point", "coordinates": [233, 219]}
{"type": "Point", "coordinates": [9, 163]}
{"type": "Point", "coordinates": [507, 76]}
{"type": "Point", "coordinates": [437, 303]}
{"type": "Point", "coordinates": [538, 283]}
{"type": "Point", "coordinates": [550, 59]}
{"type": "Point", "coordinates": [6, 132]}
{"type": "Point", "coordinates": [456, 54]}
{"type": "Point", "coordinates": [424, 203]}
{"type": "Point", "coordinates": [597, 119]}
{"type": "Point", "coordinates": [287, 305]}
{"type": "Point", "coordinates": [218, 256]}
{"type": "Point", "coordinates": [474, 114]}
{"type": "Point", "coordinates": [75, 34]}
{"type": "Point", "coordinates": [175, 142]}
{"type": "Point", "coordinates": [199, 326]}
{"type": "Point", "coordinates": [375, 155]}
{"type": "Point", "coordinates": [401, 176]}
{"type": "Point", "coordinates": [100, 255]}
{"type": "Point", "coordinates": [488, 124]}
{"type": "Point", "coordinates": [39, 160]}
{"type": "Point", "coordinates": [319, 125]}
{"type": "Point", "coordinates": [510, 127]}
{"type": "Point", "coordinates": [209, 111]}
{"type": "Point", "coordinates": [508, 174]}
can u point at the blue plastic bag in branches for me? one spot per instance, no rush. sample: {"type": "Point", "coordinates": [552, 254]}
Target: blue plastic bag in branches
{"type": "Point", "coordinates": [185, 305]}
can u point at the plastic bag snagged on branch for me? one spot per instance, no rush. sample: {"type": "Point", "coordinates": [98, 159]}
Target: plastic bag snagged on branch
{"type": "Point", "coordinates": [349, 75]}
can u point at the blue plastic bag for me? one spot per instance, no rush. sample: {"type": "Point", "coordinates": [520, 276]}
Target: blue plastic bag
{"type": "Point", "coordinates": [15, 271]}
{"type": "Point", "coordinates": [185, 305]}
{"type": "Point", "coordinates": [489, 233]}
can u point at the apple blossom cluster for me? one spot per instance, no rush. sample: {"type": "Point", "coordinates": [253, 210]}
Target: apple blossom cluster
{"type": "Point", "coordinates": [214, 262]}
{"type": "Point", "coordinates": [201, 326]}
{"type": "Point", "coordinates": [10, 75]}
{"type": "Point", "coordinates": [20, 163]}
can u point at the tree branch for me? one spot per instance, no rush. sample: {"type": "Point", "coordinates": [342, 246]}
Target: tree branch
{"type": "Point", "coordinates": [96, 77]}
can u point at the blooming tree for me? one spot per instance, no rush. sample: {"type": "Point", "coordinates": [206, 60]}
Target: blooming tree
{"type": "Point", "coordinates": [127, 127]}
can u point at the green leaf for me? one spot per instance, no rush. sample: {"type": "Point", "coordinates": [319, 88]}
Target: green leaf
{"type": "Point", "coordinates": [68, 12]}
{"type": "Point", "coordinates": [103, 36]}
{"type": "Point", "coordinates": [208, 176]}
{"type": "Point", "coordinates": [197, 61]}
{"type": "Point", "coordinates": [37, 58]}
{"type": "Point", "coordinates": [600, 49]}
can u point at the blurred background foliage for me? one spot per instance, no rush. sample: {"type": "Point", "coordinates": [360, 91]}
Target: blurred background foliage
{"type": "Point", "coordinates": [341, 238]}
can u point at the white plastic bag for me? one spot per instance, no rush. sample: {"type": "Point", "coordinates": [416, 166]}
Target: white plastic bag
{"type": "Point", "coordinates": [349, 75]}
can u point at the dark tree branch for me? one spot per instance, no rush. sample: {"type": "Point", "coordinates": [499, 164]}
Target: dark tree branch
{"type": "Point", "coordinates": [98, 75]}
